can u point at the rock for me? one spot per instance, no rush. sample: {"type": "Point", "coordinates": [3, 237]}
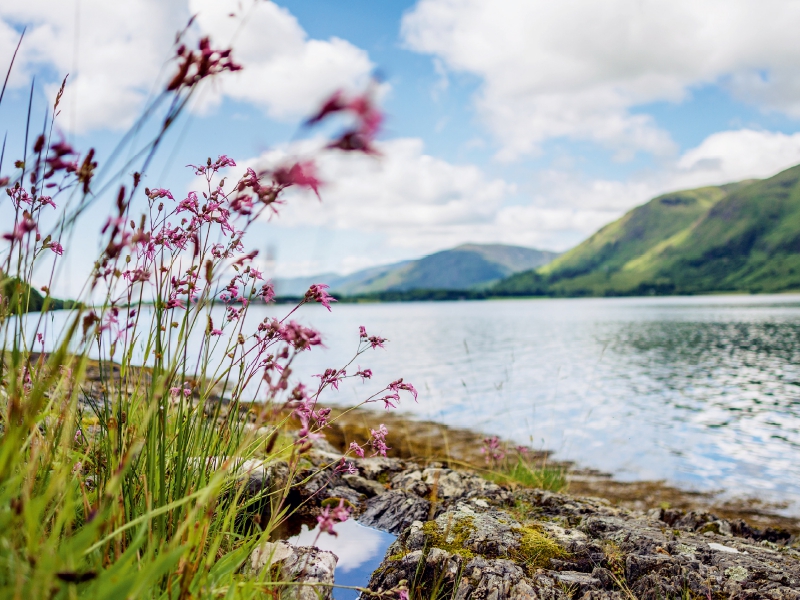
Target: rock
{"type": "Point", "coordinates": [367, 487]}
{"type": "Point", "coordinates": [485, 543]}
{"type": "Point", "coordinates": [302, 564]}
{"type": "Point", "coordinates": [476, 540]}
{"type": "Point", "coordinates": [394, 511]}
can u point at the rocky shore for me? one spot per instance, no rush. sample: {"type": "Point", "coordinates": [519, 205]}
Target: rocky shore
{"type": "Point", "coordinates": [461, 536]}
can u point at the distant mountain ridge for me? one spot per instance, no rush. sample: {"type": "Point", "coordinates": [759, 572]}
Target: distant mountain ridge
{"type": "Point", "coordinates": [739, 237]}
{"type": "Point", "coordinates": [466, 267]}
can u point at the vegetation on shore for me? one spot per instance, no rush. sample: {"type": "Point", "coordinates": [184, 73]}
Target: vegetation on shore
{"type": "Point", "coordinates": [740, 237]}
{"type": "Point", "coordinates": [118, 481]}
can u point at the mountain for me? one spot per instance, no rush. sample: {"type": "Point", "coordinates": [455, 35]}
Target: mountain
{"type": "Point", "coordinates": [470, 266]}
{"type": "Point", "coordinates": [742, 237]}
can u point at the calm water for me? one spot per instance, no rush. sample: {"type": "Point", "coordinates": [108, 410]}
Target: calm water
{"type": "Point", "coordinates": [700, 391]}
{"type": "Point", "coordinates": [359, 549]}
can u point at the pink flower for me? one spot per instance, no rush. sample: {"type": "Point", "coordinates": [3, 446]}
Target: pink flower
{"type": "Point", "coordinates": [301, 173]}
{"type": "Point", "coordinates": [399, 385]}
{"type": "Point", "coordinates": [56, 247]}
{"type": "Point", "coordinates": [364, 374]}
{"type": "Point", "coordinates": [267, 292]}
{"type": "Point", "coordinates": [492, 449]}
{"type": "Point", "coordinates": [332, 105]}
{"type": "Point", "coordinates": [357, 450]}
{"type": "Point", "coordinates": [298, 336]}
{"type": "Point", "coordinates": [175, 302]}
{"type": "Point", "coordinates": [216, 332]}
{"type": "Point", "coordinates": [159, 193]}
{"type": "Point", "coordinates": [329, 518]}
{"type": "Point", "coordinates": [373, 340]}
{"type": "Point", "coordinates": [378, 440]}
{"type": "Point", "coordinates": [23, 228]}
{"type": "Point", "coordinates": [317, 293]}
{"type": "Point", "coordinates": [331, 377]}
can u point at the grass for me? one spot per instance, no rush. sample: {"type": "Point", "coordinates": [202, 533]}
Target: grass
{"type": "Point", "coordinates": [529, 474]}
{"type": "Point", "coordinates": [119, 481]}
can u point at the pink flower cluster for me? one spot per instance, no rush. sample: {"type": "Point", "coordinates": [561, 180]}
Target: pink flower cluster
{"type": "Point", "coordinates": [492, 450]}
{"type": "Point", "coordinates": [329, 518]}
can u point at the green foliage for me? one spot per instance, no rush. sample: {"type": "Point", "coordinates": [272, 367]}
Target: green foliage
{"type": "Point", "coordinates": [452, 538]}
{"type": "Point", "coordinates": [740, 237]}
{"type": "Point", "coordinates": [20, 297]}
{"type": "Point", "coordinates": [528, 474]}
{"type": "Point", "coordinates": [536, 548]}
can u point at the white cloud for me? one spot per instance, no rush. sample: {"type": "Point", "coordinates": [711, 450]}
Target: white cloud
{"type": "Point", "coordinates": [117, 53]}
{"type": "Point", "coordinates": [413, 199]}
{"type": "Point", "coordinates": [576, 68]}
{"type": "Point", "coordinates": [423, 204]}
{"type": "Point", "coordinates": [284, 71]}
{"type": "Point", "coordinates": [734, 155]}
{"type": "Point", "coordinates": [568, 207]}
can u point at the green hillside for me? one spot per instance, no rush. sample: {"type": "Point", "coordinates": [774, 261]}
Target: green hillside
{"type": "Point", "coordinates": [466, 267]}
{"type": "Point", "coordinates": [21, 297]}
{"type": "Point", "coordinates": [737, 237]}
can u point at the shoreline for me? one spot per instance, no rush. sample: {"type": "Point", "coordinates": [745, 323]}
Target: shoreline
{"type": "Point", "coordinates": [426, 441]}
{"type": "Point", "coordinates": [430, 441]}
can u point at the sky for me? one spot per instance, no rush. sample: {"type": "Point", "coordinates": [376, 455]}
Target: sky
{"type": "Point", "coordinates": [524, 122]}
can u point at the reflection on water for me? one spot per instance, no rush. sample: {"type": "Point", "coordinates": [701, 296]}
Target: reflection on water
{"type": "Point", "coordinates": [700, 391]}
{"type": "Point", "coordinates": [360, 550]}
{"type": "Point", "coordinates": [703, 392]}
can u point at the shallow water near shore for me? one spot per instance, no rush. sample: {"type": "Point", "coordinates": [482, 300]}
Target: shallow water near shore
{"type": "Point", "coordinates": [359, 549]}
{"type": "Point", "coordinates": [703, 392]}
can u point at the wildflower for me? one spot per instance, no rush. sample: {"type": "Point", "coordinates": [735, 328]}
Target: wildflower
{"type": "Point", "coordinates": [25, 226]}
{"type": "Point", "coordinates": [333, 104]}
{"type": "Point", "coordinates": [389, 400]}
{"type": "Point", "coordinates": [56, 161]}
{"type": "Point", "coordinates": [56, 247]}
{"type": "Point", "coordinates": [378, 440]}
{"type": "Point", "coordinates": [267, 292]}
{"type": "Point", "coordinates": [399, 385]}
{"type": "Point", "coordinates": [298, 336]}
{"type": "Point", "coordinates": [364, 374]}
{"type": "Point", "coordinates": [329, 518]}
{"type": "Point", "coordinates": [77, 468]}
{"type": "Point", "coordinates": [331, 377]}
{"type": "Point", "coordinates": [175, 302]}
{"type": "Point", "coordinates": [373, 340]}
{"type": "Point", "coordinates": [197, 65]}
{"type": "Point", "coordinates": [317, 293]}
{"type": "Point", "coordinates": [158, 193]}
{"type": "Point", "coordinates": [301, 173]}
{"type": "Point", "coordinates": [356, 449]}
{"type": "Point", "coordinates": [492, 450]}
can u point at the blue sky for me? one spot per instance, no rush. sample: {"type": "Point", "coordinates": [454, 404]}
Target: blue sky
{"type": "Point", "coordinates": [517, 121]}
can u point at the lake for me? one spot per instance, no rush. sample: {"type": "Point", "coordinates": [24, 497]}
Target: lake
{"type": "Point", "coordinates": [703, 392]}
